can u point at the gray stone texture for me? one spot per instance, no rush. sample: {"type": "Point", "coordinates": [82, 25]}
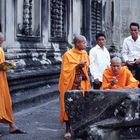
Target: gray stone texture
{"type": "Point", "coordinates": [40, 123]}
{"type": "Point", "coordinates": [101, 110]}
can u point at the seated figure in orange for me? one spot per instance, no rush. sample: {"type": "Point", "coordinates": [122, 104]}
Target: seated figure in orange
{"type": "Point", "coordinates": [118, 76]}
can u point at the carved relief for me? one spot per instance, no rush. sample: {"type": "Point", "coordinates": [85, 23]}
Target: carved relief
{"type": "Point", "coordinates": [28, 19]}
{"type": "Point", "coordinates": [58, 15]}
{"type": "Point", "coordinates": [96, 17]}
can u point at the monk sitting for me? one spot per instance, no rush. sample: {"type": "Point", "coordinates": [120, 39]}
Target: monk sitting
{"type": "Point", "coordinates": [74, 75]}
{"type": "Point", "coordinates": [118, 76]}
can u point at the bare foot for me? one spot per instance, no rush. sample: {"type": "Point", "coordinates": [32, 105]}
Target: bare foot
{"type": "Point", "coordinates": [12, 127]}
{"type": "Point", "coordinates": [67, 135]}
{"type": "Point", "coordinates": [14, 130]}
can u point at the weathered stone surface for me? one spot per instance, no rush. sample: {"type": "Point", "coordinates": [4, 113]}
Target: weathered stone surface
{"type": "Point", "coordinates": [101, 114]}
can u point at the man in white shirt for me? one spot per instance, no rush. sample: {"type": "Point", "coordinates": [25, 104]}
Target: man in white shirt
{"type": "Point", "coordinates": [99, 60]}
{"type": "Point", "coordinates": [131, 50]}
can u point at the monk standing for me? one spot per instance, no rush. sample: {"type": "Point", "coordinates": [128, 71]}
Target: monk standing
{"type": "Point", "coordinates": [6, 114]}
{"type": "Point", "coordinates": [118, 76]}
{"type": "Point", "coordinates": [74, 75]}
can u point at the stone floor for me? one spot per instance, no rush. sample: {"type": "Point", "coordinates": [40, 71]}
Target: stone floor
{"type": "Point", "coordinates": [41, 123]}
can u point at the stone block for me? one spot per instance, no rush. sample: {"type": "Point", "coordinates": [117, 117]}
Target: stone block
{"type": "Point", "coordinates": [104, 113]}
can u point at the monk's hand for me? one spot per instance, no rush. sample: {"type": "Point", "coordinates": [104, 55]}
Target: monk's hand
{"type": "Point", "coordinates": [113, 81]}
{"type": "Point", "coordinates": [82, 64]}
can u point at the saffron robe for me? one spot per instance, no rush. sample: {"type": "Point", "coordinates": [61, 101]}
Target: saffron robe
{"type": "Point", "coordinates": [6, 114]}
{"type": "Point", "coordinates": [70, 60]}
{"type": "Point", "coordinates": [124, 77]}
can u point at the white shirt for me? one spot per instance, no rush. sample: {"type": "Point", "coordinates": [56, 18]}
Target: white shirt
{"type": "Point", "coordinates": [99, 61]}
{"type": "Point", "coordinates": [131, 49]}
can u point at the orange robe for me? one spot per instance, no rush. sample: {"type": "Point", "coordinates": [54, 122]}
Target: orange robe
{"type": "Point", "coordinates": [125, 79]}
{"type": "Point", "coordinates": [6, 114]}
{"type": "Point", "coordinates": [70, 60]}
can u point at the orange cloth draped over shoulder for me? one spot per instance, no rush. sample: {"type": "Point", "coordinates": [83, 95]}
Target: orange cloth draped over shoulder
{"type": "Point", "coordinates": [6, 114]}
{"type": "Point", "coordinates": [70, 60]}
{"type": "Point", "coordinates": [125, 79]}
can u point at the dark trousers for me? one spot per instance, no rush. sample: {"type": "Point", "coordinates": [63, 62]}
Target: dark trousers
{"type": "Point", "coordinates": [135, 71]}
{"type": "Point", "coordinates": [97, 86]}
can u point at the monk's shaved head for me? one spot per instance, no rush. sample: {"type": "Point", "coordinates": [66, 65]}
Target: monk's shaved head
{"type": "Point", "coordinates": [116, 60]}
{"type": "Point", "coordinates": [116, 64]}
{"type": "Point", "coordinates": [80, 42]}
{"type": "Point", "coordinates": [79, 38]}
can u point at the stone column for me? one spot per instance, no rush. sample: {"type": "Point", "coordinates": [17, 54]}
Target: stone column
{"type": "Point", "coordinates": [86, 22]}
{"type": "Point", "coordinates": [30, 17]}
{"type": "Point", "coordinates": [96, 19]}
{"type": "Point", "coordinates": [27, 17]}
{"type": "Point", "coordinates": [58, 12]}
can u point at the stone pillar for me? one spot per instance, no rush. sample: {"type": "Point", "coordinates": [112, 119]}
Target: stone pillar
{"type": "Point", "coordinates": [69, 22]}
{"type": "Point", "coordinates": [45, 23]}
{"type": "Point", "coordinates": [116, 37]}
{"type": "Point", "coordinates": [30, 17]}
{"type": "Point", "coordinates": [9, 25]}
{"type": "Point", "coordinates": [96, 19]}
{"type": "Point", "coordinates": [86, 21]}
{"type": "Point", "coordinates": [27, 17]}
{"type": "Point", "coordinates": [92, 20]}
{"type": "Point", "coordinates": [58, 15]}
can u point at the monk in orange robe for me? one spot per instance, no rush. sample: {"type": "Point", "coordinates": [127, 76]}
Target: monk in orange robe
{"type": "Point", "coordinates": [118, 76]}
{"type": "Point", "coordinates": [74, 74]}
{"type": "Point", "coordinates": [6, 113]}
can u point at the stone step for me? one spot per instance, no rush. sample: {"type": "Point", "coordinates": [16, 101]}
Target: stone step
{"type": "Point", "coordinates": [32, 85]}
{"type": "Point", "coordinates": [33, 97]}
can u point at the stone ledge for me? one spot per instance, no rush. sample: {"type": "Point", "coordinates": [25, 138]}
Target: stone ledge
{"type": "Point", "coordinates": [33, 97]}
{"type": "Point", "coordinates": [31, 79]}
{"type": "Point", "coordinates": [27, 73]}
{"type": "Point", "coordinates": [122, 105]}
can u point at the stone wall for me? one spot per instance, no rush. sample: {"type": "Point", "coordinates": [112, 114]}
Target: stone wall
{"type": "Point", "coordinates": [118, 14]}
{"type": "Point", "coordinates": [37, 53]}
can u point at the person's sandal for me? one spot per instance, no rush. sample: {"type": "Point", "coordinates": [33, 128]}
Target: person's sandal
{"type": "Point", "coordinates": [18, 131]}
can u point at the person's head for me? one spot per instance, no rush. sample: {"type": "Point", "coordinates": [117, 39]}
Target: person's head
{"type": "Point", "coordinates": [116, 64]}
{"type": "Point", "coordinates": [134, 30]}
{"type": "Point", "coordinates": [1, 38]}
{"type": "Point", "coordinates": [80, 42]}
{"type": "Point", "coordinates": [101, 39]}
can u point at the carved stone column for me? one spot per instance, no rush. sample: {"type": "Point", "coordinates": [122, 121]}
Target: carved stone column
{"type": "Point", "coordinates": [30, 17]}
{"type": "Point", "coordinates": [57, 19]}
{"type": "Point", "coordinates": [96, 18]}
{"type": "Point", "coordinates": [27, 17]}
{"type": "Point", "coordinates": [86, 21]}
